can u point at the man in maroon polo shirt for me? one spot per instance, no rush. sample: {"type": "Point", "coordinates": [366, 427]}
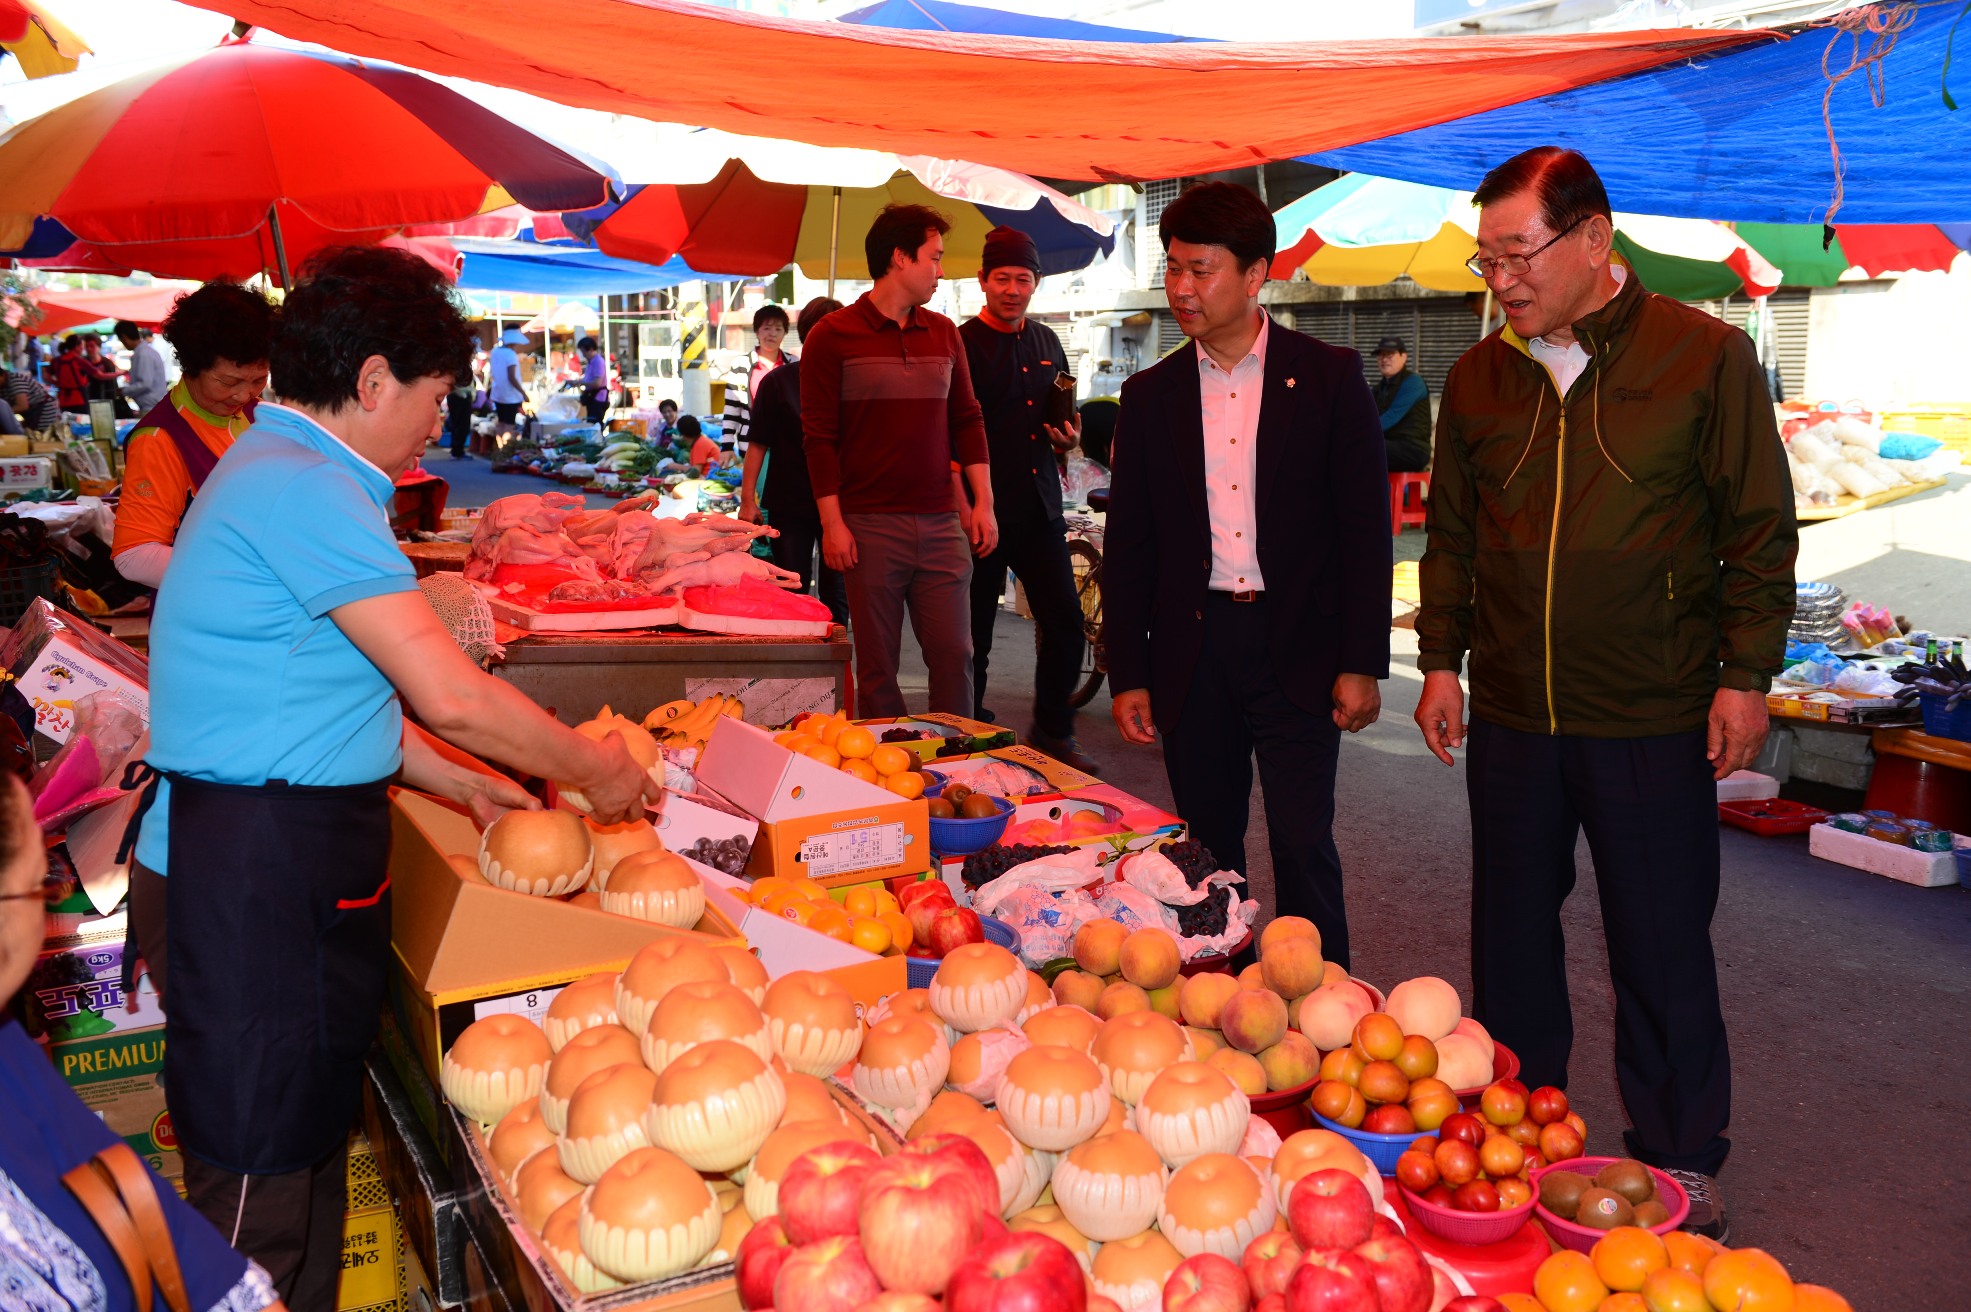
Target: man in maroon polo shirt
{"type": "Point", "coordinates": [887, 408]}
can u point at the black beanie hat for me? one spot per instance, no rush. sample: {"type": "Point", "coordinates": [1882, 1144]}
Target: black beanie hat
{"type": "Point", "coordinates": [1005, 246]}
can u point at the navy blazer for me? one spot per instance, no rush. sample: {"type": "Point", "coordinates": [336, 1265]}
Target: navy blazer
{"type": "Point", "coordinates": [1322, 522]}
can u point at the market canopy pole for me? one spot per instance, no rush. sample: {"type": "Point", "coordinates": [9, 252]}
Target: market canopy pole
{"type": "Point", "coordinates": [1060, 109]}
{"type": "Point", "coordinates": [834, 241]}
{"type": "Point", "coordinates": [280, 247]}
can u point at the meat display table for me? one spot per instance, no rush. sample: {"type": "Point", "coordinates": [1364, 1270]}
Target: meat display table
{"type": "Point", "coordinates": [577, 674]}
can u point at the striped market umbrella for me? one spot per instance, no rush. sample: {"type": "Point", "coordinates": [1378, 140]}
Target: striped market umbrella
{"type": "Point", "coordinates": [40, 42]}
{"type": "Point", "coordinates": [1872, 248]}
{"type": "Point", "coordinates": [1363, 231]}
{"type": "Point", "coordinates": [246, 159]}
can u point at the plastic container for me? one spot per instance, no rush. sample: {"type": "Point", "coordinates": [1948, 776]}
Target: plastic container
{"type": "Point", "coordinates": [1505, 1066]}
{"type": "Point", "coordinates": [1961, 849]}
{"type": "Point", "coordinates": [919, 970]}
{"type": "Point", "coordinates": [1581, 1238]}
{"type": "Point", "coordinates": [1467, 1227]}
{"type": "Point", "coordinates": [962, 837]}
{"type": "Point", "coordinates": [1769, 816]}
{"type": "Point", "coordinates": [1216, 963]}
{"type": "Point", "coordinates": [1381, 1149]}
{"type": "Point", "coordinates": [21, 584]}
{"type": "Point", "coordinates": [1287, 1111]}
{"type": "Point", "coordinates": [1939, 723]}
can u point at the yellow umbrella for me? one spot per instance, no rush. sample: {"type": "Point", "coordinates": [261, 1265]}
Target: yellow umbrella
{"type": "Point", "coordinates": [42, 43]}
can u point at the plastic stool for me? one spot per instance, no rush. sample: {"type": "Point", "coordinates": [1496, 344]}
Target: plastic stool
{"type": "Point", "coordinates": [1923, 777]}
{"type": "Point", "coordinates": [1406, 509]}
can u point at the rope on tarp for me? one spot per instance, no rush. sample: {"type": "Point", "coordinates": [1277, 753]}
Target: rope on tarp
{"type": "Point", "coordinates": [1883, 23]}
{"type": "Point", "coordinates": [1950, 41]}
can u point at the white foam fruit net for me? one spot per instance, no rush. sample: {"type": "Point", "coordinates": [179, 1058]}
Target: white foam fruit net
{"type": "Point", "coordinates": [464, 612]}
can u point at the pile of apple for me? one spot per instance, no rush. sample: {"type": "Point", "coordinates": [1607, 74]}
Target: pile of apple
{"type": "Point", "coordinates": [938, 924]}
{"type": "Point", "coordinates": [1631, 1268]}
{"type": "Point", "coordinates": [1484, 1161]}
{"type": "Point", "coordinates": [859, 1232]}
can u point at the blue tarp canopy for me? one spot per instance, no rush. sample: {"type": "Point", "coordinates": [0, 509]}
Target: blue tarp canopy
{"type": "Point", "coordinates": [555, 269]}
{"type": "Point", "coordinates": [1735, 137]}
{"type": "Point", "coordinates": [943, 16]}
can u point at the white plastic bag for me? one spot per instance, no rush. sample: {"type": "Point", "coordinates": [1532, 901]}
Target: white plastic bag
{"type": "Point", "coordinates": [1134, 909]}
{"type": "Point", "coordinates": [1850, 429]}
{"type": "Point", "coordinates": [1046, 921]}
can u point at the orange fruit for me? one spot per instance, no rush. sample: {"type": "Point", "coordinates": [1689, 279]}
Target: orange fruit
{"type": "Point", "coordinates": [799, 910]}
{"type": "Point", "coordinates": [869, 934]}
{"type": "Point", "coordinates": [885, 900]}
{"type": "Point", "coordinates": [800, 743]}
{"type": "Point", "coordinates": [891, 759]}
{"type": "Point", "coordinates": [908, 784]}
{"type": "Point", "coordinates": [823, 753]}
{"type": "Point", "coordinates": [1626, 1255]}
{"type": "Point", "coordinates": [810, 890]}
{"type": "Point", "coordinates": [1818, 1298]}
{"type": "Point", "coordinates": [860, 901]}
{"type": "Point", "coordinates": [827, 918]}
{"type": "Point", "coordinates": [1515, 1301]}
{"type": "Point", "coordinates": [777, 901]}
{"type": "Point", "coordinates": [1748, 1280]}
{"type": "Point", "coordinates": [1671, 1290]}
{"type": "Point", "coordinates": [832, 730]}
{"type": "Point", "coordinates": [1689, 1252]}
{"type": "Point", "coordinates": [899, 925]}
{"type": "Point", "coordinates": [1566, 1282]}
{"type": "Point", "coordinates": [862, 770]}
{"type": "Point", "coordinates": [1623, 1302]}
{"type": "Point", "coordinates": [855, 742]}
{"type": "Point", "coordinates": [786, 737]}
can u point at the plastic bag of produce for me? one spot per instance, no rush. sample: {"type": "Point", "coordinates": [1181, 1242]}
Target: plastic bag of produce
{"type": "Point", "coordinates": [1854, 479]}
{"type": "Point", "coordinates": [1873, 465]}
{"type": "Point", "coordinates": [1240, 913]}
{"type": "Point", "coordinates": [1046, 921]}
{"type": "Point", "coordinates": [1850, 429]}
{"type": "Point", "coordinates": [1157, 875]}
{"type": "Point", "coordinates": [1816, 446]}
{"type": "Point", "coordinates": [1907, 446]}
{"type": "Point", "coordinates": [1135, 909]}
{"type": "Point", "coordinates": [1860, 681]}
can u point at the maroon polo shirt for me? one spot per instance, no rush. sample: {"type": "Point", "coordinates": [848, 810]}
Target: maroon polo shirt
{"type": "Point", "coordinates": [886, 409]}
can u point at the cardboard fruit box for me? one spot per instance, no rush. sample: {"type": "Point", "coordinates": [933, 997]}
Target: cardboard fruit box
{"type": "Point", "coordinates": [954, 734]}
{"type": "Point", "coordinates": [117, 1077]}
{"type": "Point", "coordinates": [816, 822]}
{"type": "Point", "coordinates": [467, 949]}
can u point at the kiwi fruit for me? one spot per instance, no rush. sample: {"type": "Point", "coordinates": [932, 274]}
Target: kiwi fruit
{"type": "Point", "coordinates": [1651, 1213]}
{"type": "Point", "coordinates": [1603, 1209]}
{"type": "Point", "coordinates": [978, 807]}
{"type": "Point", "coordinates": [1629, 1178]}
{"type": "Point", "coordinates": [940, 808]}
{"type": "Point", "coordinates": [956, 794]}
{"type": "Point", "coordinates": [1560, 1192]}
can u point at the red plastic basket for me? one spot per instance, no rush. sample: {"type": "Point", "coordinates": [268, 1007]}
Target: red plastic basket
{"type": "Point", "coordinates": [1581, 1238]}
{"type": "Point", "coordinates": [1467, 1227]}
{"type": "Point", "coordinates": [1770, 815]}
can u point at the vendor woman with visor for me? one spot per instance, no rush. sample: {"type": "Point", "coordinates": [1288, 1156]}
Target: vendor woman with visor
{"type": "Point", "coordinates": [289, 636]}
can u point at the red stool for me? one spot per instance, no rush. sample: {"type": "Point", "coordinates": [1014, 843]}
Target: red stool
{"type": "Point", "coordinates": [1407, 493]}
{"type": "Point", "coordinates": [1923, 777]}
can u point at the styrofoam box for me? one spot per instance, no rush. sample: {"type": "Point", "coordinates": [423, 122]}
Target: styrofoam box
{"type": "Point", "coordinates": [1747, 786]}
{"type": "Point", "coordinates": [1905, 864]}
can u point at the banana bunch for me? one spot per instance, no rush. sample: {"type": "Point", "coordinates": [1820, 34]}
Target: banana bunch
{"type": "Point", "coordinates": [684, 723]}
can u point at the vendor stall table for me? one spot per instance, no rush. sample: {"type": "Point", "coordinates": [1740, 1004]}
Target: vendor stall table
{"type": "Point", "coordinates": [577, 674]}
{"type": "Point", "coordinates": [1850, 505]}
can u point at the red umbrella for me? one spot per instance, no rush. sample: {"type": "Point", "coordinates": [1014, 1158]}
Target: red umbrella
{"type": "Point", "coordinates": [245, 158]}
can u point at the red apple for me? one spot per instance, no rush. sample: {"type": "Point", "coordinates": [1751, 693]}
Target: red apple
{"type": "Point", "coordinates": [1474, 1303]}
{"type": "Point", "coordinates": [758, 1261]}
{"type": "Point", "coordinates": [1271, 1303]}
{"type": "Point", "coordinates": [829, 1276]}
{"type": "Point", "coordinates": [920, 1216]}
{"type": "Point", "coordinates": [1329, 1209]}
{"type": "Point", "coordinates": [1464, 1127]}
{"type": "Point", "coordinates": [1402, 1277]}
{"type": "Point", "coordinates": [1476, 1196]}
{"type": "Point", "coordinates": [1384, 1228]}
{"type": "Point", "coordinates": [1438, 1195]}
{"type": "Point", "coordinates": [1546, 1105]}
{"type": "Point", "coordinates": [962, 1152]}
{"type": "Point", "coordinates": [1389, 1118]}
{"type": "Point", "coordinates": [954, 927]}
{"type": "Point", "coordinates": [1206, 1283]}
{"type": "Point", "coordinates": [821, 1193]}
{"type": "Point", "coordinates": [908, 895]}
{"type": "Point", "coordinates": [1023, 1272]}
{"type": "Point", "coordinates": [891, 1300]}
{"type": "Point", "coordinates": [1333, 1280]}
{"type": "Point", "coordinates": [1268, 1263]}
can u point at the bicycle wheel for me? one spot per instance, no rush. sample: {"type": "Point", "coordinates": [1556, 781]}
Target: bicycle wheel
{"type": "Point", "coordinates": [1087, 562]}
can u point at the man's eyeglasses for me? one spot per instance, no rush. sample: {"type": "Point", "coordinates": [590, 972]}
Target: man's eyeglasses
{"type": "Point", "coordinates": [1515, 266]}
{"type": "Point", "coordinates": [52, 887]}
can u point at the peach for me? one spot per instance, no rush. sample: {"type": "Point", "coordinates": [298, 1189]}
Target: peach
{"type": "Point", "coordinates": [1163, 1001]}
{"type": "Point", "coordinates": [1253, 1019]}
{"type": "Point", "coordinates": [1243, 1069]}
{"type": "Point", "coordinates": [1204, 996]}
{"type": "Point", "coordinates": [1289, 1063]}
{"type": "Point", "coordinates": [1333, 972]}
{"type": "Point", "coordinates": [1149, 959]}
{"type": "Point", "coordinates": [1462, 1063]}
{"type": "Point", "coordinates": [1077, 988]}
{"type": "Point", "coordinates": [1252, 977]}
{"type": "Point", "coordinates": [1327, 1016]}
{"type": "Point", "coordinates": [1280, 928]}
{"type": "Point", "coordinates": [1098, 946]}
{"type": "Point", "coordinates": [1425, 1005]}
{"type": "Point", "coordinates": [1204, 1042]}
{"type": "Point", "coordinates": [1472, 1029]}
{"type": "Point", "coordinates": [1119, 999]}
{"type": "Point", "coordinates": [1292, 966]}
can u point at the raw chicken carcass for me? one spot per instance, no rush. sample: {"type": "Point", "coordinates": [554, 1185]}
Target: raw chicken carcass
{"type": "Point", "coordinates": [696, 532]}
{"type": "Point", "coordinates": [724, 571]}
{"type": "Point", "coordinates": [528, 530]}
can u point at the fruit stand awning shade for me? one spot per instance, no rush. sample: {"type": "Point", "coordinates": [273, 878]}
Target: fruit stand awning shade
{"type": "Point", "coordinates": [42, 43]}
{"type": "Point", "coordinates": [942, 16]}
{"type": "Point", "coordinates": [553, 270]}
{"type": "Point", "coordinates": [1733, 134]}
{"type": "Point", "coordinates": [61, 311]}
{"type": "Point", "coordinates": [1061, 109]}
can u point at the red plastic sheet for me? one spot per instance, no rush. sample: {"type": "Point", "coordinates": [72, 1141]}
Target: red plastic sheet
{"type": "Point", "coordinates": [1063, 109]}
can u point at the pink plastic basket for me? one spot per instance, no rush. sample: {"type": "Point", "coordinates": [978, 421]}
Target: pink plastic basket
{"type": "Point", "coordinates": [1467, 1227]}
{"type": "Point", "coordinates": [1581, 1238]}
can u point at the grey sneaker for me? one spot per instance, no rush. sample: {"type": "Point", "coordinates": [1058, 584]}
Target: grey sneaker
{"type": "Point", "coordinates": [1707, 1205]}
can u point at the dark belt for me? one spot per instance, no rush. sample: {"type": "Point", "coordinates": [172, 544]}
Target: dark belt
{"type": "Point", "coordinates": [1247, 596]}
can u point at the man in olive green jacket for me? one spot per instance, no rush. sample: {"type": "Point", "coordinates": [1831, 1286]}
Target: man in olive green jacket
{"type": "Point", "coordinates": [1611, 540]}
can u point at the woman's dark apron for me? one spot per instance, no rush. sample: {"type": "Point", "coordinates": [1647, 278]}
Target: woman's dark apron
{"type": "Point", "coordinates": [278, 934]}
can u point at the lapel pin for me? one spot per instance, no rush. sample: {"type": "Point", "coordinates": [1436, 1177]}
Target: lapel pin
{"type": "Point", "coordinates": [1289, 382]}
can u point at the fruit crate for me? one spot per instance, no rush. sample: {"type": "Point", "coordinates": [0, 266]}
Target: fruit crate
{"type": "Point", "coordinates": [1949, 424]}
{"type": "Point", "coordinates": [1770, 816]}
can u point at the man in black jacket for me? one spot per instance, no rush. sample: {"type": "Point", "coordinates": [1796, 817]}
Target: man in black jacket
{"type": "Point", "coordinates": [1016, 364]}
{"type": "Point", "coordinates": [1404, 401]}
{"type": "Point", "coordinates": [1246, 569]}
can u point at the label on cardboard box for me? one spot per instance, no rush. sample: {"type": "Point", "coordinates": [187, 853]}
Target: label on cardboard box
{"type": "Point", "coordinates": [61, 675]}
{"type": "Point", "coordinates": [116, 1077]}
{"type": "Point", "coordinates": [865, 847]}
{"type": "Point", "coordinates": [532, 1004]}
{"type": "Point", "coordinates": [77, 993]}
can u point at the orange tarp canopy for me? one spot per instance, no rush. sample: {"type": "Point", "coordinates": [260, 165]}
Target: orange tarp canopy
{"type": "Point", "coordinates": [1062, 109]}
{"type": "Point", "coordinates": [61, 311]}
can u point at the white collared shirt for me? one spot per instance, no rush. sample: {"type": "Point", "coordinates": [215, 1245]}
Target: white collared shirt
{"type": "Point", "coordinates": [1230, 409]}
{"type": "Point", "coordinates": [1569, 362]}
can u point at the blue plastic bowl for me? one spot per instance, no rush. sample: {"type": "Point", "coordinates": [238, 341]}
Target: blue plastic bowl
{"type": "Point", "coordinates": [920, 969]}
{"type": "Point", "coordinates": [962, 837]}
{"type": "Point", "coordinates": [1382, 1149]}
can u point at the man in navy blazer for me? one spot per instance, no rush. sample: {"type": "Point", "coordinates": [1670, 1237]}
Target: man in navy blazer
{"type": "Point", "coordinates": [1246, 566]}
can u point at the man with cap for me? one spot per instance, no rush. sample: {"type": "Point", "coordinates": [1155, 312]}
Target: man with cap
{"type": "Point", "coordinates": [1017, 364]}
{"type": "Point", "coordinates": [504, 389]}
{"type": "Point", "coordinates": [1405, 405]}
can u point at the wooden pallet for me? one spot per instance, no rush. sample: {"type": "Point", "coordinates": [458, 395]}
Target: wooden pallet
{"type": "Point", "coordinates": [1852, 505]}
